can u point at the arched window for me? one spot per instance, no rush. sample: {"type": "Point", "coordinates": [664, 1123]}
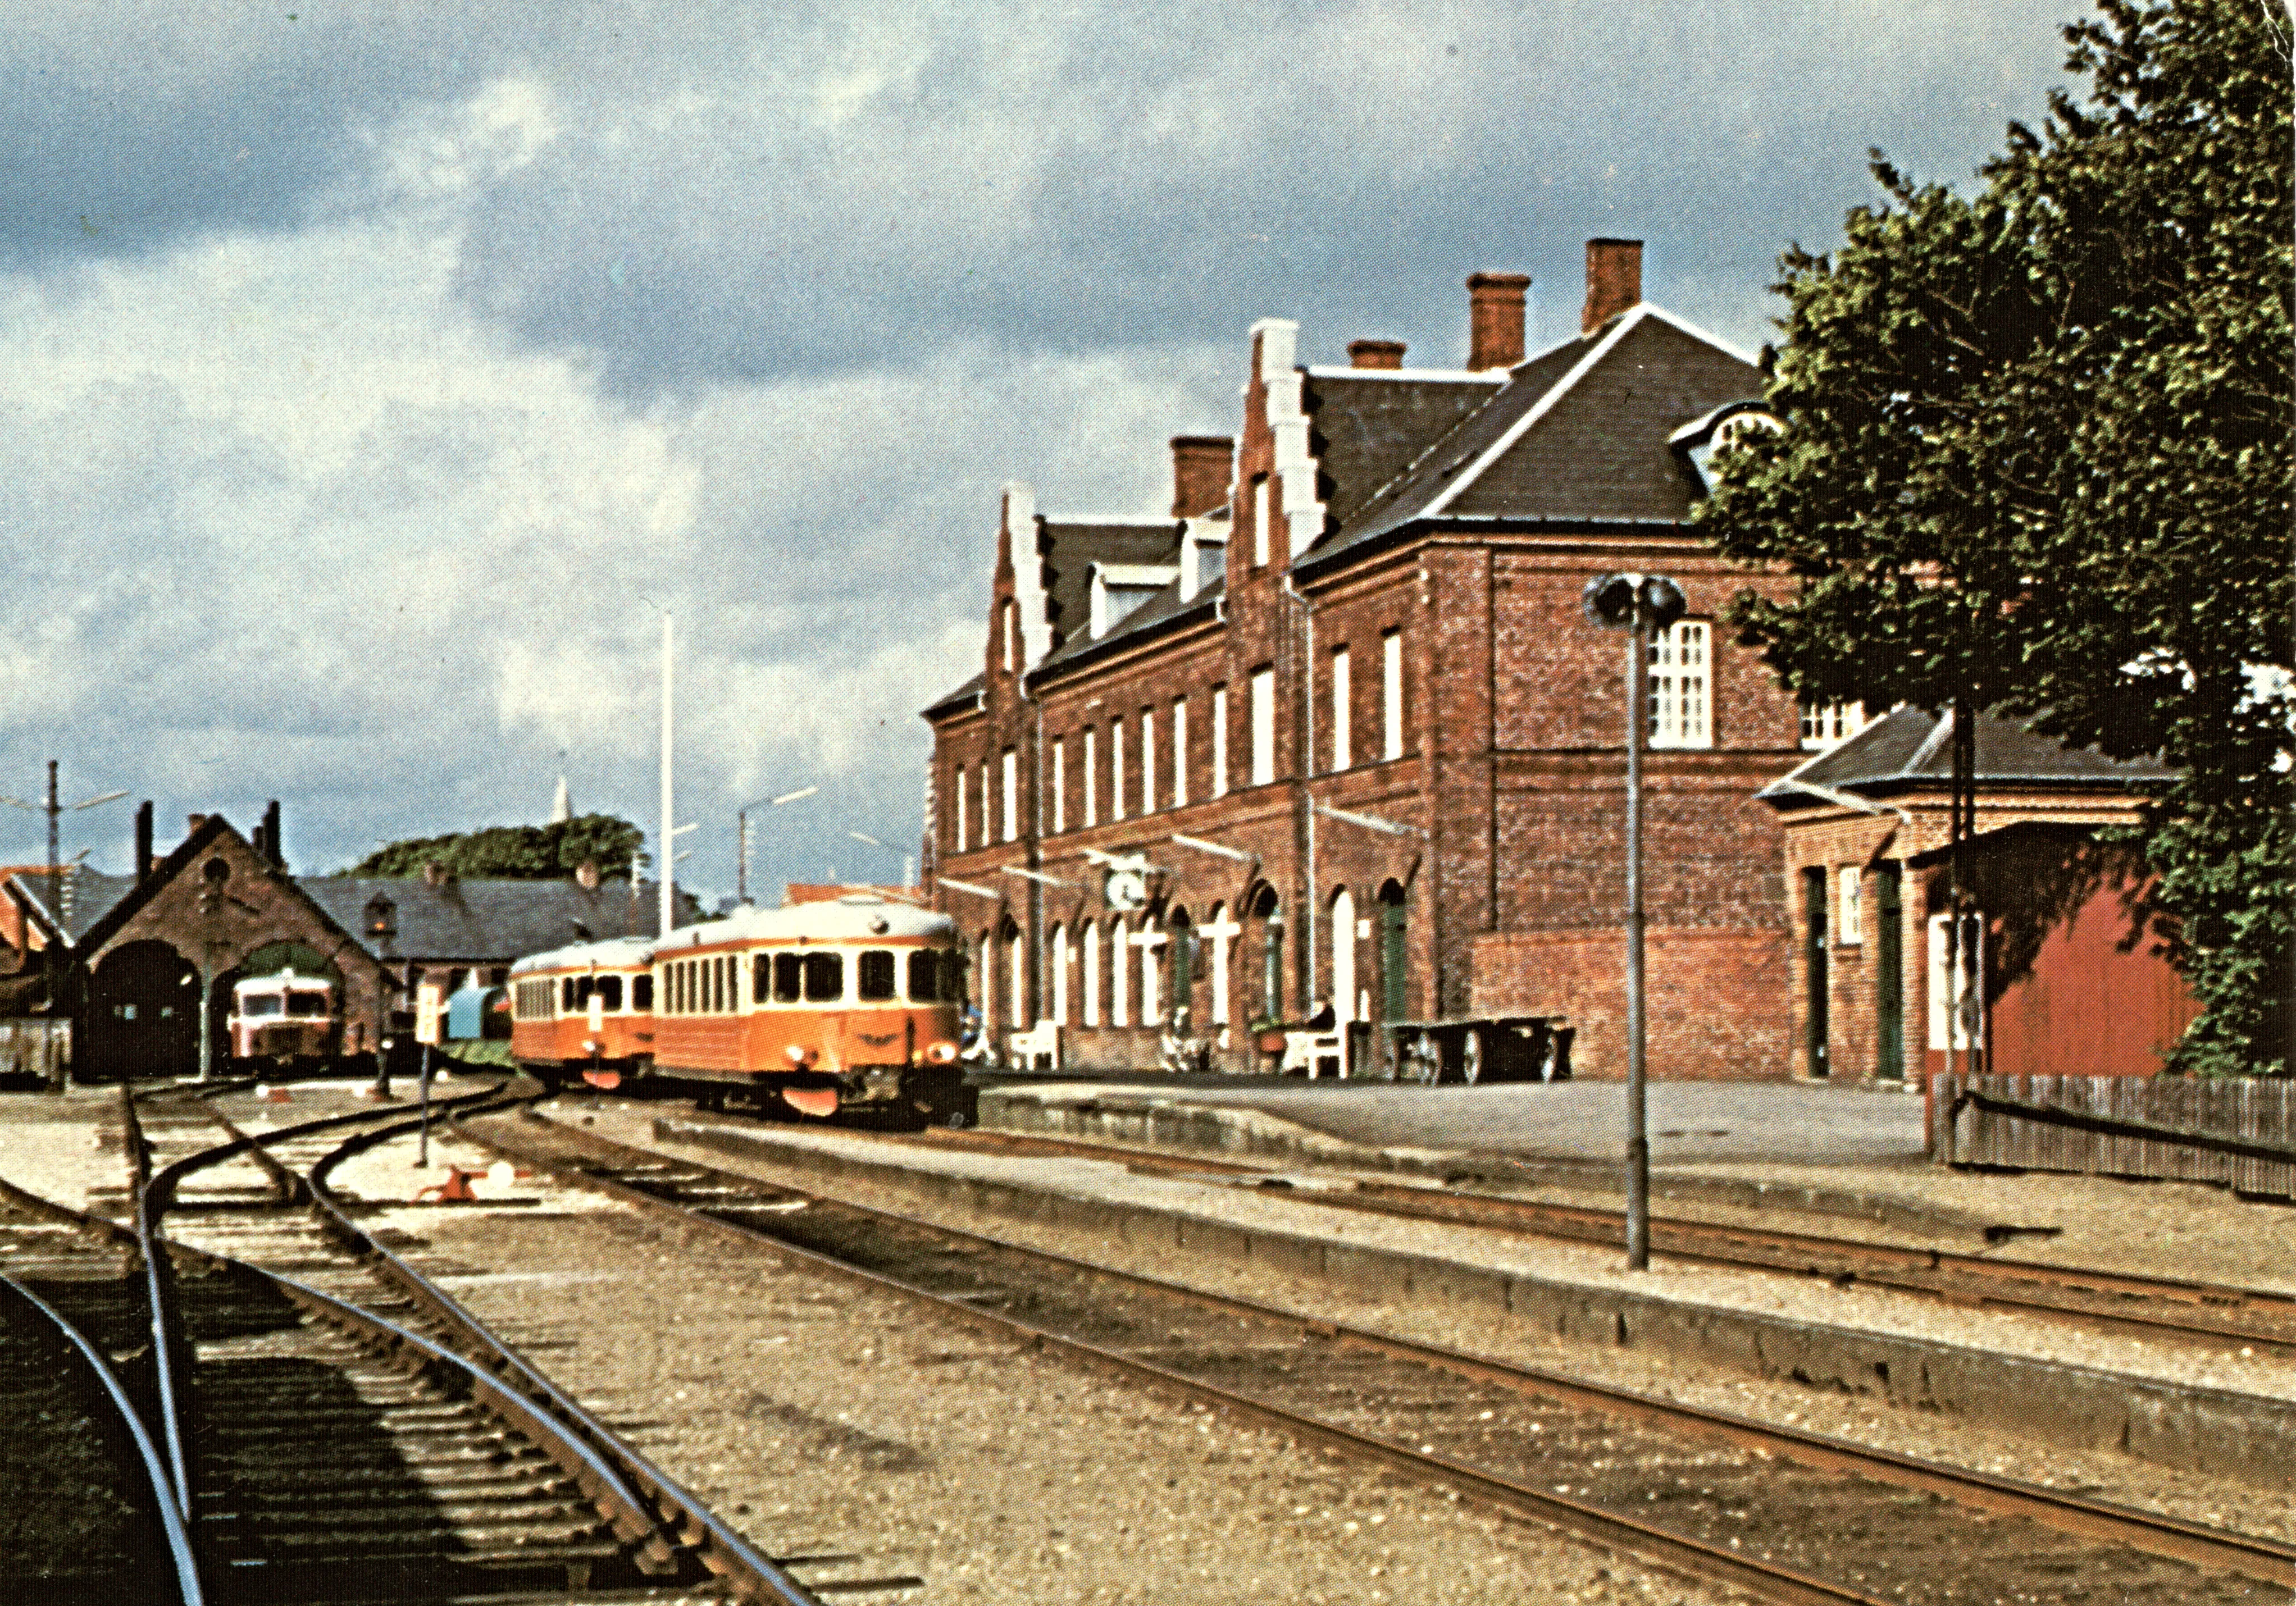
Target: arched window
{"type": "Point", "coordinates": [1090, 932]}
{"type": "Point", "coordinates": [1345, 1007]}
{"type": "Point", "coordinates": [1016, 975]}
{"type": "Point", "coordinates": [1150, 942]}
{"type": "Point", "coordinates": [1267, 916]}
{"type": "Point", "coordinates": [1219, 931]}
{"type": "Point", "coordinates": [1182, 951]}
{"type": "Point", "coordinates": [1011, 634]}
{"type": "Point", "coordinates": [1057, 980]}
{"type": "Point", "coordinates": [1393, 997]}
{"type": "Point", "coordinates": [1119, 973]}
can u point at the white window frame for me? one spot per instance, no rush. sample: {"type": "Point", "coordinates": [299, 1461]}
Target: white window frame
{"type": "Point", "coordinates": [1391, 695]}
{"type": "Point", "coordinates": [1060, 784]}
{"type": "Point", "coordinates": [1829, 724]}
{"type": "Point", "coordinates": [1116, 768]}
{"type": "Point", "coordinates": [958, 786]}
{"type": "Point", "coordinates": [1090, 933]}
{"type": "Point", "coordinates": [988, 808]}
{"type": "Point", "coordinates": [1219, 741]}
{"type": "Point", "coordinates": [1180, 752]}
{"type": "Point", "coordinates": [1011, 765]}
{"type": "Point", "coordinates": [1263, 726]}
{"type": "Point", "coordinates": [1016, 977]}
{"type": "Point", "coordinates": [1260, 544]}
{"type": "Point", "coordinates": [1849, 926]}
{"type": "Point", "coordinates": [1119, 973]}
{"type": "Point", "coordinates": [1059, 977]}
{"type": "Point", "coordinates": [1091, 777]}
{"type": "Point", "coordinates": [1342, 695]}
{"type": "Point", "coordinates": [1681, 685]}
{"type": "Point", "coordinates": [1148, 761]}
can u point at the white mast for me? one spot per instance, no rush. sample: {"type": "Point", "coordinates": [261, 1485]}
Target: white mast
{"type": "Point", "coordinates": [667, 875]}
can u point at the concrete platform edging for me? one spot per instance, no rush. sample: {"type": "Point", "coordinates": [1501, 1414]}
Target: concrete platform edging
{"type": "Point", "coordinates": [2214, 1432]}
{"type": "Point", "coordinates": [1157, 1121]}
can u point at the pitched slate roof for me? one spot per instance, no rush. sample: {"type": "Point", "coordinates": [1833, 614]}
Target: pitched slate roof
{"type": "Point", "coordinates": [1911, 749]}
{"type": "Point", "coordinates": [1370, 425]}
{"type": "Point", "coordinates": [489, 919]}
{"type": "Point", "coordinates": [1068, 549]}
{"type": "Point", "coordinates": [1579, 431]}
{"type": "Point", "coordinates": [89, 896]}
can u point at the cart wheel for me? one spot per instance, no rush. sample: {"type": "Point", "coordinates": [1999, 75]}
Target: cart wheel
{"type": "Point", "coordinates": [1471, 1057]}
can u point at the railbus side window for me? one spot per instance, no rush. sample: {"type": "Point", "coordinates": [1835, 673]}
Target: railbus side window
{"type": "Point", "coordinates": [642, 991]}
{"type": "Point", "coordinates": [878, 977]}
{"type": "Point", "coordinates": [924, 976]}
{"type": "Point", "coordinates": [789, 970]}
{"type": "Point", "coordinates": [609, 994]}
{"type": "Point", "coordinates": [566, 995]}
{"type": "Point", "coordinates": [825, 978]}
{"type": "Point", "coordinates": [761, 977]}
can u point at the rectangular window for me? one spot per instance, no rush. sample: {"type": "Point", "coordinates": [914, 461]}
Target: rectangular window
{"type": "Point", "coordinates": [956, 784]}
{"type": "Point", "coordinates": [1219, 742]}
{"type": "Point", "coordinates": [1147, 761]}
{"type": "Point", "coordinates": [1681, 712]}
{"type": "Point", "coordinates": [1342, 744]}
{"type": "Point", "coordinates": [988, 809]}
{"type": "Point", "coordinates": [924, 976]}
{"type": "Point", "coordinates": [1180, 752]}
{"type": "Point", "coordinates": [789, 977]}
{"type": "Point", "coordinates": [825, 978]}
{"type": "Point", "coordinates": [1259, 516]}
{"type": "Point", "coordinates": [642, 993]}
{"type": "Point", "coordinates": [1263, 726]}
{"type": "Point", "coordinates": [878, 975]}
{"type": "Point", "coordinates": [1116, 769]}
{"type": "Point", "coordinates": [1853, 906]}
{"type": "Point", "coordinates": [1091, 778]}
{"type": "Point", "coordinates": [1091, 973]}
{"type": "Point", "coordinates": [1391, 695]}
{"type": "Point", "coordinates": [1011, 795]}
{"type": "Point", "coordinates": [761, 977]}
{"type": "Point", "coordinates": [1830, 724]}
{"type": "Point", "coordinates": [1060, 785]}
{"type": "Point", "coordinates": [609, 994]}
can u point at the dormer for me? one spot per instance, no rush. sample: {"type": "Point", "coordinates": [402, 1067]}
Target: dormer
{"type": "Point", "coordinates": [1120, 590]}
{"type": "Point", "coordinates": [1203, 551]}
{"type": "Point", "coordinates": [1697, 441]}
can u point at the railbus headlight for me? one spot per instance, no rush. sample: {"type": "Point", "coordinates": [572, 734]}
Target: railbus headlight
{"type": "Point", "coordinates": [941, 1053]}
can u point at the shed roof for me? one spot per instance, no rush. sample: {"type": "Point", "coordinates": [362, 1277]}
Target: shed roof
{"type": "Point", "coordinates": [1910, 748]}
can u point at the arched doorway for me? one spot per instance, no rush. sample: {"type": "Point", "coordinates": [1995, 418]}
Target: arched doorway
{"type": "Point", "coordinates": [1056, 963]}
{"type": "Point", "coordinates": [1182, 947]}
{"type": "Point", "coordinates": [1344, 1006]}
{"type": "Point", "coordinates": [1394, 998]}
{"type": "Point", "coordinates": [1265, 913]}
{"type": "Point", "coordinates": [144, 1013]}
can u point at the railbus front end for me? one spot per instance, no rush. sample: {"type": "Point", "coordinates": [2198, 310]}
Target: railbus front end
{"type": "Point", "coordinates": [585, 1013]}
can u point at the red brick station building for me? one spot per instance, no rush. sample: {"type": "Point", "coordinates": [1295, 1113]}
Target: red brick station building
{"type": "Point", "coordinates": [1338, 731]}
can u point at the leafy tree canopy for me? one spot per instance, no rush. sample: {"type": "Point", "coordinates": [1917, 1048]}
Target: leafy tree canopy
{"type": "Point", "coordinates": [2040, 455]}
{"type": "Point", "coordinates": [515, 852]}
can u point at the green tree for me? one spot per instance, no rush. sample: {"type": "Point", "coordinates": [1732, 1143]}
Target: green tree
{"type": "Point", "coordinates": [2040, 455]}
{"type": "Point", "coordinates": [515, 852]}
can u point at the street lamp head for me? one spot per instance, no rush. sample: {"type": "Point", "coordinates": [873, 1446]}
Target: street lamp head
{"type": "Point", "coordinates": [1617, 601]}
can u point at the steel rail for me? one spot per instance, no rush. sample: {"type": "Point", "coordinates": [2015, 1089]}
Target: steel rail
{"type": "Point", "coordinates": [183, 1564]}
{"type": "Point", "coordinates": [677, 1511]}
{"type": "Point", "coordinates": [611, 1471]}
{"type": "Point", "coordinates": [2201, 1311]}
{"type": "Point", "coordinates": [2154, 1534]}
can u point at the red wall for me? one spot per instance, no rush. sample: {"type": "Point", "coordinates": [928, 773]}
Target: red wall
{"type": "Point", "coordinates": [2094, 1004]}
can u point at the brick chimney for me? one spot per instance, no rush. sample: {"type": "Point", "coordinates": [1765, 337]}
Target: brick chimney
{"type": "Point", "coordinates": [1375, 354]}
{"type": "Point", "coordinates": [1494, 319]}
{"type": "Point", "coordinates": [1199, 470]}
{"type": "Point", "coordinates": [274, 849]}
{"type": "Point", "coordinates": [144, 825]}
{"type": "Point", "coordinates": [1614, 281]}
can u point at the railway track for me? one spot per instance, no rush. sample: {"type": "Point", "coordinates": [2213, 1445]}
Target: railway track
{"type": "Point", "coordinates": [1786, 1516]}
{"type": "Point", "coordinates": [2208, 1314]}
{"type": "Point", "coordinates": [329, 1427]}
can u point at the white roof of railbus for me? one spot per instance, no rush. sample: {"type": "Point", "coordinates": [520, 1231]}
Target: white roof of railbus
{"type": "Point", "coordinates": [857, 917]}
{"type": "Point", "coordinates": [612, 954]}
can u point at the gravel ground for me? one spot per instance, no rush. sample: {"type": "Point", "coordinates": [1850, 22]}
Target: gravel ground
{"type": "Point", "coordinates": [1798, 1297]}
{"type": "Point", "coordinates": [825, 1420]}
{"type": "Point", "coordinates": [64, 1147]}
{"type": "Point", "coordinates": [2215, 1501]}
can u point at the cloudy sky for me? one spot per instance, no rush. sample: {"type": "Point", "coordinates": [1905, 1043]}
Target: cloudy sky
{"type": "Point", "coordinates": [371, 376]}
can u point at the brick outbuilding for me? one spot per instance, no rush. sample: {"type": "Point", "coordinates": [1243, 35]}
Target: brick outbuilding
{"type": "Point", "coordinates": [2063, 964]}
{"type": "Point", "coordinates": [1337, 729]}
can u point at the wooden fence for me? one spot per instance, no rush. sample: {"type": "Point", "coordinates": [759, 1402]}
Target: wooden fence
{"type": "Point", "coordinates": [2239, 1132]}
{"type": "Point", "coordinates": [37, 1047]}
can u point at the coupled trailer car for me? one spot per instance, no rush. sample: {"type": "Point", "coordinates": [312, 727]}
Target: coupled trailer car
{"type": "Point", "coordinates": [848, 1005]}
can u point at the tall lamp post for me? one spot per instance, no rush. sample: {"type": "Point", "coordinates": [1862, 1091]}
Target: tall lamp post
{"type": "Point", "coordinates": [55, 809]}
{"type": "Point", "coordinates": [742, 836]}
{"type": "Point", "coordinates": [1641, 605]}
